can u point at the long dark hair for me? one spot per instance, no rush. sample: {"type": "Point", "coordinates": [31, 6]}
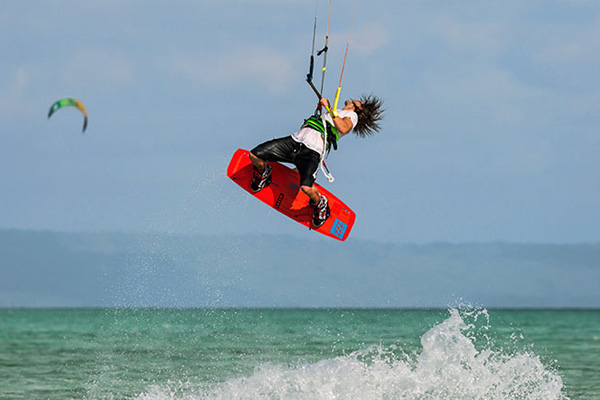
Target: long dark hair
{"type": "Point", "coordinates": [369, 116]}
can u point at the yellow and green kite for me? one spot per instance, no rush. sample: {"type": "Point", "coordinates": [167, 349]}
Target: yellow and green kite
{"type": "Point", "coordinates": [69, 102]}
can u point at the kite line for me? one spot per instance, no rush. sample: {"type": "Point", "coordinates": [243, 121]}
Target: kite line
{"type": "Point", "coordinates": [309, 76]}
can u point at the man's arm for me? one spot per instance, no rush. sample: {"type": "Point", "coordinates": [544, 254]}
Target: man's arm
{"type": "Point", "coordinates": [343, 125]}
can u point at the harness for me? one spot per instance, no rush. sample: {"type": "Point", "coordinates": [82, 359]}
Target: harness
{"type": "Point", "coordinates": [316, 122]}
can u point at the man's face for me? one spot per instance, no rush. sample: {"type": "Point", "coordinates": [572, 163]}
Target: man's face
{"type": "Point", "coordinates": [353, 105]}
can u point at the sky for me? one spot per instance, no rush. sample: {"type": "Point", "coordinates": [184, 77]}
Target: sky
{"type": "Point", "coordinates": [490, 132]}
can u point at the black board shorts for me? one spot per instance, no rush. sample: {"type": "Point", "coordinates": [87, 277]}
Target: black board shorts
{"type": "Point", "coordinates": [290, 151]}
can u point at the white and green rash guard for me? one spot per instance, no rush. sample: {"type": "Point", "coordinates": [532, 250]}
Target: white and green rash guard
{"type": "Point", "coordinates": [313, 139]}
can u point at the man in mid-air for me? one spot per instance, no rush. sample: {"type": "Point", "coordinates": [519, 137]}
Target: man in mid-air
{"type": "Point", "coordinates": [306, 148]}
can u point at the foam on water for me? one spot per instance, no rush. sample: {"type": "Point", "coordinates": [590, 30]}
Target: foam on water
{"type": "Point", "coordinates": [449, 367]}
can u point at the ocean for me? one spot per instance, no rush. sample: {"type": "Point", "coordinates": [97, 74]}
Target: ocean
{"type": "Point", "coordinates": [153, 354]}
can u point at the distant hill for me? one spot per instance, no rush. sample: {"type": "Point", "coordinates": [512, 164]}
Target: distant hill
{"type": "Point", "coordinates": [48, 269]}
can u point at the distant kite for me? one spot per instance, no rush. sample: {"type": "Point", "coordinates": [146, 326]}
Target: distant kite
{"type": "Point", "coordinates": [70, 102]}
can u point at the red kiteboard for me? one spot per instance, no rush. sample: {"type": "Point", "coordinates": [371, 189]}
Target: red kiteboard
{"type": "Point", "coordinates": [285, 196]}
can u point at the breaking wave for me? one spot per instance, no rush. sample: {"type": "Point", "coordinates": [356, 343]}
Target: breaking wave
{"type": "Point", "coordinates": [449, 367]}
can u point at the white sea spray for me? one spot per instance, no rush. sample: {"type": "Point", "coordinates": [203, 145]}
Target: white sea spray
{"type": "Point", "coordinates": [449, 367]}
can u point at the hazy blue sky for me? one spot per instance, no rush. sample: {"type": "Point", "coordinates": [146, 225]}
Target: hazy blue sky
{"type": "Point", "coordinates": [491, 130]}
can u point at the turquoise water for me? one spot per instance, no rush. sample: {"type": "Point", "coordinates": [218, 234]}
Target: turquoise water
{"type": "Point", "coordinates": [299, 354]}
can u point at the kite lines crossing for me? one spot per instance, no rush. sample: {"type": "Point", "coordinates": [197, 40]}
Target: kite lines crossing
{"type": "Point", "coordinates": [309, 79]}
{"type": "Point", "coordinates": [323, 51]}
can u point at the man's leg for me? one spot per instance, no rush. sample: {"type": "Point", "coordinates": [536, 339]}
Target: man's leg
{"type": "Point", "coordinates": [312, 192]}
{"type": "Point", "coordinates": [308, 164]}
{"type": "Point", "coordinates": [259, 163]}
{"type": "Point", "coordinates": [262, 174]}
{"type": "Point", "coordinates": [319, 204]}
{"type": "Point", "coordinates": [272, 150]}
{"type": "Point", "coordinates": [281, 149]}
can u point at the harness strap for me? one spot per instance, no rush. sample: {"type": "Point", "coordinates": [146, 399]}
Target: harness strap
{"type": "Point", "coordinates": [317, 123]}
{"type": "Point", "coordinates": [326, 137]}
{"type": "Point", "coordinates": [330, 137]}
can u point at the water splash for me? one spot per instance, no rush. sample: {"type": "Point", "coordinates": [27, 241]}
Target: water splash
{"type": "Point", "coordinates": [449, 367]}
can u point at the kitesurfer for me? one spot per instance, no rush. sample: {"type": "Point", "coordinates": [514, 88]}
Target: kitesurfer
{"type": "Point", "coordinates": [306, 148]}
